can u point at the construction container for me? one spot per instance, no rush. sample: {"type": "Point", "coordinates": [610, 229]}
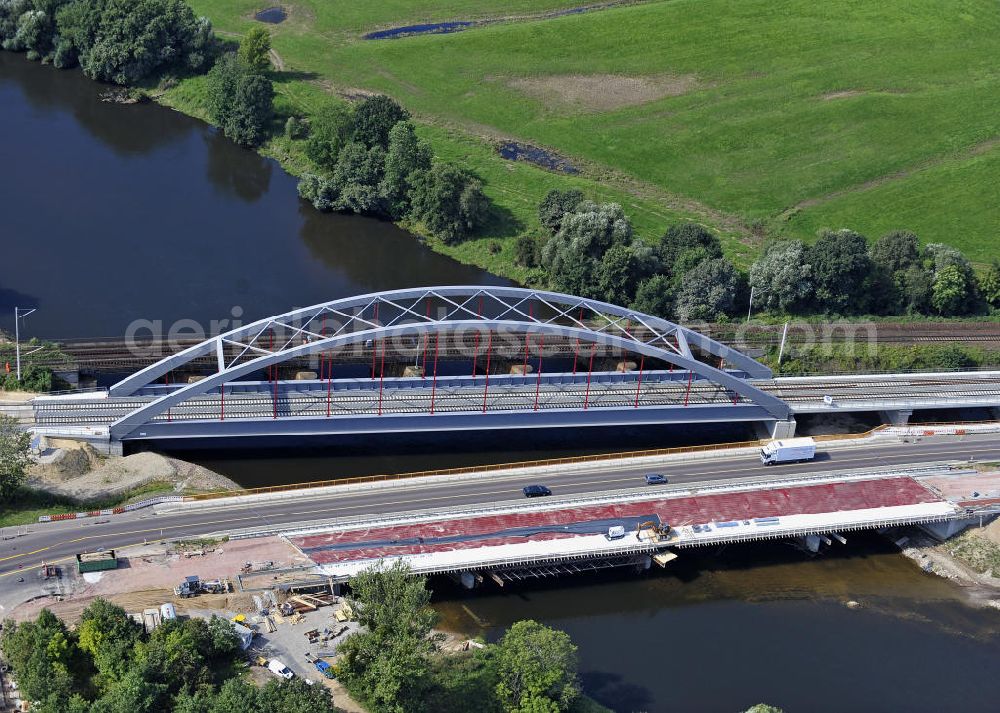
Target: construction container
{"type": "Point", "coordinates": [96, 561]}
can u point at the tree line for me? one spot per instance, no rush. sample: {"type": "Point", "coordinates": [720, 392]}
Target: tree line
{"type": "Point", "coordinates": [367, 159]}
{"type": "Point", "coordinates": [108, 664]}
{"type": "Point", "coordinates": [371, 162]}
{"type": "Point", "coordinates": [591, 250]}
{"type": "Point", "coordinates": [120, 41]}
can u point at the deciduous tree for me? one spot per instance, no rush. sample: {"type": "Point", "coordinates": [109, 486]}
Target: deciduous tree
{"type": "Point", "coordinates": [240, 101]}
{"type": "Point", "coordinates": [841, 267]}
{"type": "Point", "coordinates": [782, 277]}
{"type": "Point", "coordinates": [124, 41]}
{"type": "Point", "coordinates": [255, 49]}
{"type": "Point", "coordinates": [329, 130]}
{"type": "Point", "coordinates": [109, 635]}
{"type": "Point", "coordinates": [708, 291]}
{"type": "Point", "coordinates": [15, 456]}
{"type": "Point", "coordinates": [537, 668]}
{"type": "Point", "coordinates": [374, 119]}
{"type": "Point", "coordinates": [406, 158]}
{"type": "Point", "coordinates": [990, 284]}
{"type": "Point", "coordinates": [655, 296]}
{"type": "Point", "coordinates": [385, 663]}
{"type": "Point", "coordinates": [555, 205]}
{"type": "Point", "coordinates": [448, 201]}
{"type": "Point", "coordinates": [697, 241]}
{"type": "Point", "coordinates": [572, 256]}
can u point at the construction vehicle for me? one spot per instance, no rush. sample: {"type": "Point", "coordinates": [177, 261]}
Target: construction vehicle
{"type": "Point", "coordinates": [656, 529]}
{"type": "Point", "coordinates": [189, 587]}
{"type": "Point", "coordinates": [192, 585]}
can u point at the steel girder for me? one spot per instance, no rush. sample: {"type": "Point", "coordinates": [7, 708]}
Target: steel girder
{"type": "Point", "coordinates": [386, 315]}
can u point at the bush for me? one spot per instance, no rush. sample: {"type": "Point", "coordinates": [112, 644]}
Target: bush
{"type": "Point", "coordinates": [526, 251]}
{"type": "Point", "coordinates": [295, 128]}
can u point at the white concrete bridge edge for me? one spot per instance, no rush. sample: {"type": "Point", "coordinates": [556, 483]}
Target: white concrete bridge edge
{"type": "Point", "coordinates": [593, 546]}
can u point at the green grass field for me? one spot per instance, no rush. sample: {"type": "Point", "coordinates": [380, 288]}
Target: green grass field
{"type": "Point", "coordinates": [795, 115]}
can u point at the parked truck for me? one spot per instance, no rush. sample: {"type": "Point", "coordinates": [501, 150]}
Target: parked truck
{"type": "Point", "coordinates": [788, 450]}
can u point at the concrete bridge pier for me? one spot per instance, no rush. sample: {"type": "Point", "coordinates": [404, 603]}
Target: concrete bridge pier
{"type": "Point", "coordinates": [897, 417]}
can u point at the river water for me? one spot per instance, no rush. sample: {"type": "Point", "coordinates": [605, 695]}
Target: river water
{"type": "Point", "coordinates": [109, 214]}
{"type": "Point", "coordinates": [115, 213]}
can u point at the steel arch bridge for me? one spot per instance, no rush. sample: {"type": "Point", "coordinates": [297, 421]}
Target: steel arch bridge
{"type": "Point", "coordinates": [410, 316]}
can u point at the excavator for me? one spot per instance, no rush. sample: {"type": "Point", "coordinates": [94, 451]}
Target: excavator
{"type": "Point", "coordinates": [657, 530]}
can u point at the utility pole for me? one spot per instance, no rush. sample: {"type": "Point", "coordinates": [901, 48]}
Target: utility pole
{"type": "Point", "coordinates": [781, 351]}
{"type": "Point", "coordinates": [750, 308]}
{"type": "Point", "coordinates": [18, 314]}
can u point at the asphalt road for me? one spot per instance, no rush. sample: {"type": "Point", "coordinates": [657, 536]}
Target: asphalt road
{"type": "Point", "coordinates": [56, 542]}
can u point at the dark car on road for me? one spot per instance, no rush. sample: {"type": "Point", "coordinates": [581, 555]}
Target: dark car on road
{"type": "Point", "coordinates": [535, 491]}
{"type": "Point", "coordinates": [656, 479]}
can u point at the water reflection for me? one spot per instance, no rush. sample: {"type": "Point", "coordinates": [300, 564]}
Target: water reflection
{"type": "Point", "coordinates": [126, 129]}
{"type": "Point", "coordinates": [247, 176]}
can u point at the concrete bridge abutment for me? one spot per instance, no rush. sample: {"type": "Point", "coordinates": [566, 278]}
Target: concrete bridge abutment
{"type": "Point", "coordinates": [896, 417]}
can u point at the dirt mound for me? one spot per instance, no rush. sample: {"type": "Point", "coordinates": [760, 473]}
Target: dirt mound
{"type": "Point", "coordinates": [604, 92]}
{"type": "Point", "coordinates": [991, 532]}
{"type": "Point", "coordinates": [83, 475]}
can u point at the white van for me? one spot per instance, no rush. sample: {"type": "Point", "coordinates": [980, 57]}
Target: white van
{"type": "Point", "coordinates": [279, 669]}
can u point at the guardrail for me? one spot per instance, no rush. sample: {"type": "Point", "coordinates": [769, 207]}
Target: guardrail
{"type": "Point", "coordinates": [112, 511]}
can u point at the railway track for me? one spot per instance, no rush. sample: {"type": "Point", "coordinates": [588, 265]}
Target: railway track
{"type": "Point", "coordinates": [114, 354]}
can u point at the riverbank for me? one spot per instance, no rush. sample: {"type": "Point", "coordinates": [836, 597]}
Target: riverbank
{"type": "Point", "coordinates": [970, 559]}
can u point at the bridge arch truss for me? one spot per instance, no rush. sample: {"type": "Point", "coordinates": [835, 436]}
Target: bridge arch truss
{"type": "Point", "coordinates": [427, 313]}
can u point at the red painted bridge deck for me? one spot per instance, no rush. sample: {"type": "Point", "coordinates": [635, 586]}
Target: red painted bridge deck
{"type": "Point", "coordinates": [352, 545]}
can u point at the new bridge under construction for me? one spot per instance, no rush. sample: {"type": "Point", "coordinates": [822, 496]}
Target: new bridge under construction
{"type": "Point", "coordinates": [470, 358]}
